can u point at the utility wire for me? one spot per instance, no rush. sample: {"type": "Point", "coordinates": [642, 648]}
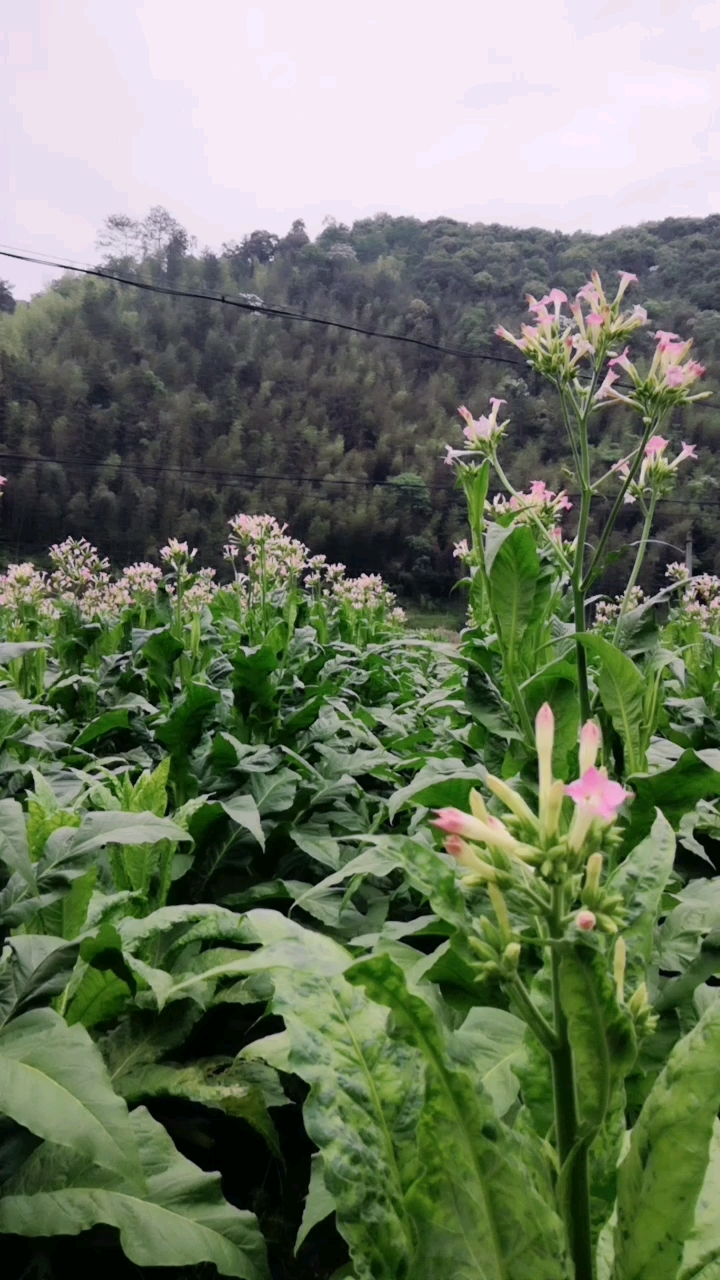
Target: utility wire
{"type": "Point", "coordinates": [260, 309]}
{"type": "Point", "coordinates": [231, 479]}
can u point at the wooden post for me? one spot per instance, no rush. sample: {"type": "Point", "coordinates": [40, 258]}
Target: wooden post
{"type": "Point", "coordinates": [689, 551]}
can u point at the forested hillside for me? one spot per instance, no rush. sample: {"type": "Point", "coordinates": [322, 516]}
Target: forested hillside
{"type": "Point", "coordinates": [128, 416]}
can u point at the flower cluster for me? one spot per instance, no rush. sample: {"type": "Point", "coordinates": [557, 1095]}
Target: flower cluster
{"type": "Point", "coordinates": [667, 382]}
{"type": "Point", "coordinates": [272, 559]}
{"type": "Point", "coordinates": [142, 581]}
{"type": "Point", "coordinates": [657, 473]}
{"type": "Point", "coordinates": [198, 591]}
{"type": "Point", "coordinates": [23, 587]}
{"type": "Point", "coordinates": [700, 599]}
{"type": "Point", "coordinates": [608, 611]}
{"type": "Point", "coordinates": [550, 859]}
{"type": "Point", "coordinates": [538, 501]}
{"type": "Point", "coordinates": [482, 434]}
{"type": "Point", "coordinates": [367, 594]}
{"type": "Point", "coordinates": [556, 344]}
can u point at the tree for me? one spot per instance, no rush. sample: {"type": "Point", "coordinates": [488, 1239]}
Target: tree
{"type": "Point", "coordinates": [121, 236]}
{"type": "Point", "coordinates": [7, 302]}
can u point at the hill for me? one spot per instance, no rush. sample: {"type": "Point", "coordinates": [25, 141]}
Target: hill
{"type": "Point", "coordinates": [128, 416]}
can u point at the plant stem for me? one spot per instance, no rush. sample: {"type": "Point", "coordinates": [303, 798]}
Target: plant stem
{"type": "Point", "coordinates": [566, 1118]}
{"type": "Point", "coordinates": [639, 557]}
{"type": "Point", "coordinates": [579, 566]}
{"type": "Point", "coordinates": [652, 427]}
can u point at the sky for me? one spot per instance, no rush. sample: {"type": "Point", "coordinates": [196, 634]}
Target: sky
{"type": "Point", "coordinates": [588, 114]}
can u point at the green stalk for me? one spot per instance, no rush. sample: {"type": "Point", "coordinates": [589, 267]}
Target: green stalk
{"type": "Point", "coordinates": [579, 566]}
{"type": "Point", "coordinates": [639, 557]}
{"type": "Point", "coordinates": [652, 426]}
{"type": "Point", "coordinates": [566, 1117]}
{"type": "Point", "coordinates": [508, 659]}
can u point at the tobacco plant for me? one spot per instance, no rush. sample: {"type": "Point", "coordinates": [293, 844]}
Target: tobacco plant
{"type": "Point", "coordinates": [529, 583]}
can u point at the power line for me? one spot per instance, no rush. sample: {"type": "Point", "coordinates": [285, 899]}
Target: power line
{"type": "Point", "coordinates": [230, 479]}
{"type": "Point", "coordinates": [261, 309]}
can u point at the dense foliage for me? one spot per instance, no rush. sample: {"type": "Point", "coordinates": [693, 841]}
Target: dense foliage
{"type": "Point", "coordinates": [155, 413]}
{"type": "Point", "coordinates": [260, 1010]}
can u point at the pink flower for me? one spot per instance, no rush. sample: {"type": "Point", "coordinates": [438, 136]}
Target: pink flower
{"type": "Point", "coordinates": [3, 480]}
{"type": "Point", "coordinates": [594, 321]}
{"type": "Point", "coordinates": [688, 451]}
{"type": "Point", "coordinates": [596, 794]}
{"type": "Point", "coordinates": [454, 822]}
{"type": "Point", "coordinates": [585, 920]}
{"type": "Point", "coordinates": [605, 391]}
{"type": "Point", "coordinates": [626, 278]}
{"type": "Point", "coordinates": [454, 845]}
{"type": "Point", "coordinates": [507, 336]}
{"type": "Point", "coordinates": [623, 361]}
{"type": "Point", "coordinates": [655, 447]}
{"type": "Point", "coordinates": [484, 428]}
{"type": "Point", "coordinates": [493, 832]}
{"type": "Point", "coordinates": [664, 338]}
{"type": "Point", "coordinates": [589, 293]}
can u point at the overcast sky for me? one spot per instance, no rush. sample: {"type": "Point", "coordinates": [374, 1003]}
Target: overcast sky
{"type": "Point", "coordinates": [588, 114]}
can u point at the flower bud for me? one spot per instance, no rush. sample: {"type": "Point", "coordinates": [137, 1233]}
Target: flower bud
{"type": "Point", "coordinates": [593, 871]}
{"type": "Point", "coordinates": [590, 742]}
{"type": "Point", "coordinates": [477, 806]}
{"type": "Point", "coordinates": [544, 739]}
{"type": "Point", "coordinates": [511, 955]}
{"type": "Point", "coordinates": [501, 912]}
{"type": "Point", "coordinates": [553, 809]}
{"type": "Point", "coordinates": [467, 856]}
{"type": "Point", "coordinates": [512, 800]}
{"type": "Point", "coordinates": [586, 921]}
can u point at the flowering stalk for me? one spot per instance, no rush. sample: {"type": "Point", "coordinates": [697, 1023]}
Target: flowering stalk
{"type": "Point", "coordinates": [553, 864]}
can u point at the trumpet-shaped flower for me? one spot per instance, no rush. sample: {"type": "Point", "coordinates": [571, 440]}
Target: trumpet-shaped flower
{"type": "Point", "coordinates": [481, 433]}
{"type": "Point", "coordinates": [492, 833]}
{"type": "Point", "coordinates": [598, 794]}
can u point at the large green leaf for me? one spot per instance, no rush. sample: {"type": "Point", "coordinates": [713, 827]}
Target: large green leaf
{"type": "Point", "coordinates": [365, 1091]}
{"type": "Point", "coordinates": [622, 691]}
{"type": "Point", "coordinates": [661, 1177]}
{"type": "Point", "coordinates": [490, 1044]}
{"type": "Point", "coordinates": [14, 850]}
{"type": "Point", "coordinates": [319, 1204]}
{"type": "Point", "coordinates": [244, 811]}
{"type": "Point", "coordinates": [34, 968]}
{"type": "Point", "coordinates": [600, 1032]}
{"type": "Point", "coordinates": [513, 579]}
{"type": "Point", "coordinates": [115, 827]}
{"type": "Point", "coordinates": [54, 1082]}
{"type": "Point", "coordinates": [701, 1255]}
{"type": "Point", "coordinates": [217, 1083]}
{"type": "Point", "coordinates": [179, 1219]}
{"type": "Point", "coordinates": [641, 879]}
{"type": "Point", "coordinates": [274, 792]}
{"type": "Point", "coordinates": [676, 790]}
{"type": "Point", "coordinates": [439, 782]}
{"type": "Point", "coordinates": [476, 1211]}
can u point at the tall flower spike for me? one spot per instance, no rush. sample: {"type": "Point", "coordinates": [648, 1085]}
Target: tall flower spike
{"type": "Point", "coordinates": [544, 739]}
